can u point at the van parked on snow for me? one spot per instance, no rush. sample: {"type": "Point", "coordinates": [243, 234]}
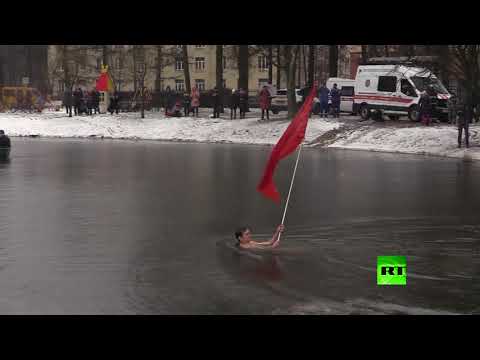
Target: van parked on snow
{"type": "Point", "coordinates": [280, 101]}
{"type": "Point", "coordinates": [395, 90]}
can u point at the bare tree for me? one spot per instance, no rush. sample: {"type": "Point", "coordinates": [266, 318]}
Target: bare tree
{"type": "Point", "coordinates": [372, 51]}
{"type": "Point", "coordinates": [333, 60]}
{"type": "Point", "coordinates": [186, 68]}
{"type": "Point", "coordinates": [364, 53]}
{"type": "Point", "coordinates": [465, 61]}
{"type": "Point", "coordinates": [304, 63]}
{"type": "Point", "coordinates": [65, 65]}
{"type": "Point", "coordinates": [270, 64]}
{"type": "Point", "coordinates": [219, 73]}
{"type": "Point", "coordinates": [291, 57]}
{"type": "Point", "coordinates": [243, 68]}
{"type": "Point", "coordinates": [311, 64]}
{"type": "Point", "coordinates": [141, 68]}
{"type": "Point", "coordinates": [279, 66]}
{"type": "Point", "coordinates": [105, 54]}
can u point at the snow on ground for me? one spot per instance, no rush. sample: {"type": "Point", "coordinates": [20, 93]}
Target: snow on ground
{"type": "Point", "coordinates": [344, 133]}
{"type": "Point", "coordinates": [155, 126]}
{"type": "Point", "coordinates": [404, 137]}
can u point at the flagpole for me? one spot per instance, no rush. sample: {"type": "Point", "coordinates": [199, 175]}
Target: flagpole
{"type": "Point", "coordinates": [291, 186]}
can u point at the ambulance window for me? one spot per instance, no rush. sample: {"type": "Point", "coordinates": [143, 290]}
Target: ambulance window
{"type": "Point", "coordinates": [387, 83]}
{"type": "Point", "coordinates": [407, 88]}
{"type": "Point", "coordinates": [347, 91]}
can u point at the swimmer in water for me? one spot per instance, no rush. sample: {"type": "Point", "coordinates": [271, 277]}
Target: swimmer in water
{"type": "Point", "coordinates": [244, 240]}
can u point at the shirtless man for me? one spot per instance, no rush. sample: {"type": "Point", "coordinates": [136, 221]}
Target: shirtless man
{"type": "Point", "coordinates": [244, 240]}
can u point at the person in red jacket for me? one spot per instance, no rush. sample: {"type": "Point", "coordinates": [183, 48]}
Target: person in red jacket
{"type": "Point", "coordinates": [264, 99]}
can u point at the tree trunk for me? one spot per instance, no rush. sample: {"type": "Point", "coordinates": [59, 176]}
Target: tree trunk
{"type": "Point", "coordinates": [304, 65]}
{"type": "Point", "coordinates": [333, 60]}
{"type": "Point", "coordinates": [219, 74]}
{"type": "Point", "coordinates": [364, 54]}
{"type": "Point", "coordinates": [158, 79]}
{"type": "Point", "coordinates": [372, 51]}
{"type": "Point", "coordinates": [142, 92]}
{"type": "Point", "coordinates": [311, 64]}
{"type": "Point", "coordinates": [279, 67]}
{"type": "Point", "coordinates": [270, 64]}
{"type": "Point", "coordinates": [243, 68]}
{"type": "Point", "coordinates": [29, 62]}
{"type": "Point", "coordinates": [186, 68]}
{"type": "Point", "coordinates": [292, 54]}
{"type": "Point", "coordinates": [66, 70]}
{"type": "Point", "coordinates": [105, 54]}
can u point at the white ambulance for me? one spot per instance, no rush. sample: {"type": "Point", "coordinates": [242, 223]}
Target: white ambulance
{"type": "Point", "coordinates": [395, 90]}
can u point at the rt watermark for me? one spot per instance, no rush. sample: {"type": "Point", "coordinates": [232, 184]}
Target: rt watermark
{"type": "Point", "coordinates": [391, 270]}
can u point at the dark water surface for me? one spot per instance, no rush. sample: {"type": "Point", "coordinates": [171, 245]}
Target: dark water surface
{"type": "Point", "coordinates": [121, 227]}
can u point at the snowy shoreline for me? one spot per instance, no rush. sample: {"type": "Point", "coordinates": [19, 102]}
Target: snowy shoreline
{"type": "Point", "coordinates": [347, 132]}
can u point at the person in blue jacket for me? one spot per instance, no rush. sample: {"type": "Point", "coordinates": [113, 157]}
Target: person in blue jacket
{"type": "Point", "coordinates": [323, 93]}
{"type": "Point", "coordinates": [335, 101]}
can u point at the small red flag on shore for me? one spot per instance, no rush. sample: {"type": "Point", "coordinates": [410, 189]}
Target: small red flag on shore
{"type": "Point", "coordinates": [291, 138]}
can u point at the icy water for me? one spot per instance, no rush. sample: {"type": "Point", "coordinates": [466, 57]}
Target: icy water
{"type": "Point", "coordinates": [123, 227]}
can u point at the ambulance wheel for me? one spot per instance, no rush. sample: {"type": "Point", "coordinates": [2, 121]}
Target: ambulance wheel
{"type": "Point", "coordinates": [413, 113]}
{"type": "Point", "coordinates": [364, 112]}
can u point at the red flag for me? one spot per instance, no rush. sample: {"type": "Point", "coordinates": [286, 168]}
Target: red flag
{"type": "Point", "coordinates": [104, 82]}
{"type": "Point", "coordinates": [291, 138]}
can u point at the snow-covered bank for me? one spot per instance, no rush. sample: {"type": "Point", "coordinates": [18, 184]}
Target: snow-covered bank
{"type": "Point", "coordinates": [404, 137]}
{"type": "Point", "coordinates": [156, 126]}
{"type": "Point", "coordinates": [344, 133]}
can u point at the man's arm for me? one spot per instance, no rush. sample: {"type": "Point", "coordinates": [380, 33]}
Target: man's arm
{"type": "Point", "coordinates": [274, 238]}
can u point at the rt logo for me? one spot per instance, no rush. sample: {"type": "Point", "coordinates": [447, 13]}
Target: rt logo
{"type": "Point", "coordinates": [391, 270]}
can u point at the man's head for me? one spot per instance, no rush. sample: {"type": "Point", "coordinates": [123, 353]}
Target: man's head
{"type": "Point", "coordinates": [335, 86]}
{"type": "Point", "coordinates": [2, 132]}
{"type": "Point", "coordinates": [243, 234]}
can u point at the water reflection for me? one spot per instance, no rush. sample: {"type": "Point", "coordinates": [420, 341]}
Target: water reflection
{"type": "Point", "coordinates": [127, 227]}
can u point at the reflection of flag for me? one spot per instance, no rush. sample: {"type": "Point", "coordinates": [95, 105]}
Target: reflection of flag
{"type": "Point", "coordinates": [291, 138]}
{"type": "Point", "coordinates": [104, 82]}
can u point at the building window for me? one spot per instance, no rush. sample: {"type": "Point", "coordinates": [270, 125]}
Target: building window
{"type": "Point", "coordinates": [119, 63]}
{"type": "Point", "coordinates": [262, 83]}
{"type": "Point", "coordinates": [199, 63]}
{"type": "Point", "coordinates": [99, 63]}
{"type": "Point", "coordinates": [61, 86]}
{"type": "Point", "coordinates": [179, 85]}
{"type": "Point", "coordinates": [178, 65]}
{"type": "Point", "coordinates": [200, 84]}
{"type": "Point", "coordinates": [200, 46]}
{"type": "Point", "coordinates": [262, 63]}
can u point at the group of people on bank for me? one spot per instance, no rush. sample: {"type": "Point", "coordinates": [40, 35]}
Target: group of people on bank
{"type": "Point", "coordinates": [87, 102]}
{"type": "Point", "coordinates": [177, 104]}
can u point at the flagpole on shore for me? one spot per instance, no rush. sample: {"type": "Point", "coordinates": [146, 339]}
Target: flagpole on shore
{"type": "Point", "coordinates": [291, 186]}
